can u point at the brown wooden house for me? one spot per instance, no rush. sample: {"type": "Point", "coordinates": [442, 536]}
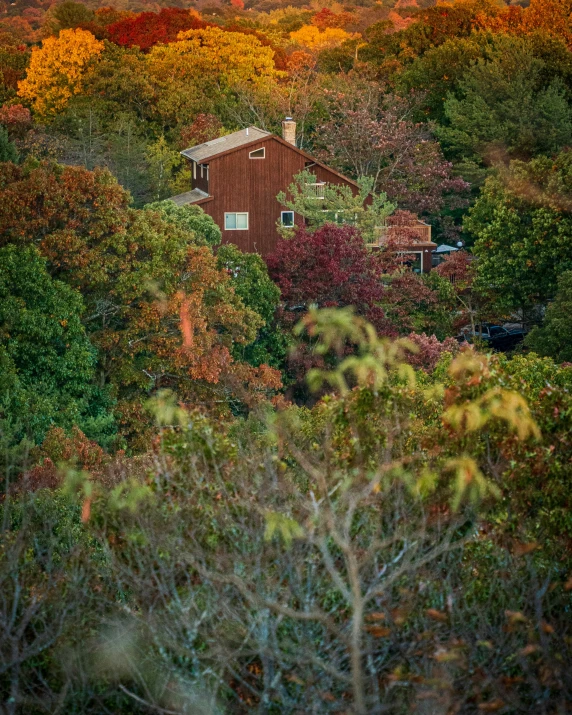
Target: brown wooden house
{"type": "Point", "coordinates": [236, 178]}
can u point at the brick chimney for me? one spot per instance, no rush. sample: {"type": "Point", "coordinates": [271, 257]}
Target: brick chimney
{"type": "Point", "coordinates": [289, 130]}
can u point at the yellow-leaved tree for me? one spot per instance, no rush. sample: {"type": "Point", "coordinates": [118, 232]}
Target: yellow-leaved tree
{"type": "Point", "coordinates": [56, 70]}
{"type": "Point", "coordinates": [190, 72]}
{"type": "Point", "coordinates": [311, 37]}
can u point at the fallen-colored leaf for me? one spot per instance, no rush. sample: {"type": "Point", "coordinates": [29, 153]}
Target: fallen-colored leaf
{"type": "Point", "coordinates": [515, 617]}
{"type": "Point", "coordinates": [86, 510]}
{"type": "Point", "coordinates": [399, 615]}
{"type": "Point", "coordinates": [446, 656]}
{"type": "Point", "coordinates": [295, 679]}
{"type": "Point", "coordinates": [375, 616]}
{"type": "Point", "coordinates": [328, 697]}
{"type": "Point", "coordinates": [436, 615]}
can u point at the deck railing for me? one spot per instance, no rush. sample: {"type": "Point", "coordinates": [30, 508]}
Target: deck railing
{"type": "Point", "coordinates": [317, 190]}
{"type": "Point", "coordinates": [420, 232]}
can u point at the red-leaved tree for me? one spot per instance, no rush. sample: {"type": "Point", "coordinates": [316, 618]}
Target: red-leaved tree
{"type": "Point", "coordinates": [429, 350]}
{"type": "Point", "coordinates": [331, 267]}
{"type": "Point", "coordinates": [459, 268]}
{"type": "Point", "coordinates": [149, 28]}
{"type": "Point", "coordinates": [326, 18]}
{"type": "Point", "coordinates": [204, 128]}
{"type": "Point", "coordinates": [373, 135]}
{"type": "Point", "coordinates": [16, 118]}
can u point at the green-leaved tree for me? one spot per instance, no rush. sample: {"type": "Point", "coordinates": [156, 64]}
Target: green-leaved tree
{"type": "Point", "coordinates": [554, 338]}
{"type": "Point", "coordinates": [189, 218]}
{"type": "Point", "coordinates": [522, 222]}
{"type": "Point", "coordinates": [504, 102]}
{"type": "Point", "coordinates": [251, 283]}
{"type": "Point", "coordinates": [319, 203]}
{"type": "Point", "coordinates": [48, 362]}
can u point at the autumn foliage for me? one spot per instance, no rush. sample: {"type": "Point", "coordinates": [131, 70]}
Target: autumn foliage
{"type": "Point", "coordinates": [149, 28]}
{"type": "Point", "coordinates": [330, 267]}
{"type": "Point", "coordinates": [56, 70]}
{"type": "Point", "coordinates": [311, 37]}
{"type": "Point", "coordinates": [284, 483]}
{"type": "Point", "coordinates": [327, 18]}
{"type": "Point", "coordinates": [160, 309]}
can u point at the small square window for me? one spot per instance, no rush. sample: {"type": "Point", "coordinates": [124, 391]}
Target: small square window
{"type": "Point", "coordinates": [258, 153]}
{"type": "Point", "coordinates": [236, 221]}
{"type": "Point", "coordinates": [287, 218]}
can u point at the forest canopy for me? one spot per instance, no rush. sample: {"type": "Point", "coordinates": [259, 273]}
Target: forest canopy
{"type": "Point", "coordinates": [330, 477]}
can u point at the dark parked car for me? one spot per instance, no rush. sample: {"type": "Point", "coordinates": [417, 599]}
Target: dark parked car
{"type": "Point", "coordinates": [495, 336]}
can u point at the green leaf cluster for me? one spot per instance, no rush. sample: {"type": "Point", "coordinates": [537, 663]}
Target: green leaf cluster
{"type": "Point", "coordinates": [47, 359]}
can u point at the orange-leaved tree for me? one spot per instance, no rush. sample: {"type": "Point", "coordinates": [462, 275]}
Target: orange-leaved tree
{"type": "Point", "coordinates": [550, 17]}
{"type": "Point", "coordinates": [56, 70]}
{"type": "Point", "coordinates": [142, 278]}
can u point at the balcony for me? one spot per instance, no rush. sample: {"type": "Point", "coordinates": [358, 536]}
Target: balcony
{"type": "Point", "coordinates": [405, 234]}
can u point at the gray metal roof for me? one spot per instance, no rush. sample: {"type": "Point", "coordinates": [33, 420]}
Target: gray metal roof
{"type": "Point", "coordinates": [205, 151]}
{"type": "Point", "coordinates": [189, 197]}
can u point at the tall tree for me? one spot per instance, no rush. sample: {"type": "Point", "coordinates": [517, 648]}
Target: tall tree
{"type": "Point", "coordinates": [158, 308]}
{"type": "Point", "coordinates": [554, 338]}
{"type": "Point", "coordinates": [319, 204]}
{"type": "Point", "coordinates": [68, 15]}
{"type": "Point", "coordinates": [48, 363]}
{"type": "Point", "coordinates": [190, 74]}
{"type": "Point", "coordinates": [191, 219]}
{"type": "Point", "coordinates": [57, 68]}
{"type": "Point", "coordinates": [439, 71]}
{"type": "Point", "coordinates": [8, 151]}
{"type": "Point", "coordinates": [505, 104]}
{"type": "Point", "coordinates": [522, 222]}
{"type": "Point", "coordinates": [249, 277]}
{"type": "Point", "coordinates": [329, 267]}
{"type": "Point", "coordinates": [370, 134]}
{"type": "Point", "coordinates": [150, 28]}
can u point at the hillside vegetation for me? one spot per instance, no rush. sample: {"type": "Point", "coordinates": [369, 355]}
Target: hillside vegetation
{"type": "Point", "coordinates": [236, 484]}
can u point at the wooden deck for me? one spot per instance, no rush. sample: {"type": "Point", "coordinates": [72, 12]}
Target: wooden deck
{"type": "Point", "coordinates": [420, 233]}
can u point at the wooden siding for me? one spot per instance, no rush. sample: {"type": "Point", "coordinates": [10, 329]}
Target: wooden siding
{"type": "Point", "coordinates": [240, 184]}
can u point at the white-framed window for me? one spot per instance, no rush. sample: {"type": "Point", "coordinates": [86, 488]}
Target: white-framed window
{"type": "Point", "coordinates": [287, 218]}
{"type": "Point", "coordinates": [258, 153]}
{"type": "Point", "coordinates": [236, 222]}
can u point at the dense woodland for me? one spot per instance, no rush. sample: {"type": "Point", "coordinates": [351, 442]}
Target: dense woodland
{"type": "Point", "coordinates": [237, 485]}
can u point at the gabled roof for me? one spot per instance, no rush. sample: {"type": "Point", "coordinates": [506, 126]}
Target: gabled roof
{"type": "Point", "coordinates": [236, 140]}
{"type": "Point", "coordinates": [206, 151]}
